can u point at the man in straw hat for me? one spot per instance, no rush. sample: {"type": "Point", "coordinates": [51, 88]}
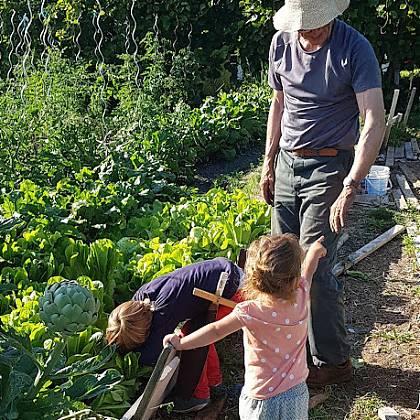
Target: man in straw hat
{"type": "Point", "coordinates": [324, 74]}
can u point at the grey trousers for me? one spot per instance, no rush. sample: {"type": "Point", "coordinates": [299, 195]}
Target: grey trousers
{"type": "Point", "coordinates": [305, 189]}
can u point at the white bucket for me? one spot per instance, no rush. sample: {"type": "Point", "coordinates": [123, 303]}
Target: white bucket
{"type": "Point", "coordinates": [377, 180]}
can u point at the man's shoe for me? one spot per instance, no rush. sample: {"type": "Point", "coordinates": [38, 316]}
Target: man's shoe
{"type": "Point", "coordinates": [329, 375]}
{"type": "Point", "coordinates": [189, 406]}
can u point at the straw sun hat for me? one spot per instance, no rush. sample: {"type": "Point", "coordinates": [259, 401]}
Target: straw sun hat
{"type": "Point", "coordinates": [308, 14]}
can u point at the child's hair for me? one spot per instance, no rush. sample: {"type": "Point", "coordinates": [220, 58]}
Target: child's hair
{"type": "Point", "coordinates": [273, 267]}
{"type": "Point", "coordinates": [129, 324]}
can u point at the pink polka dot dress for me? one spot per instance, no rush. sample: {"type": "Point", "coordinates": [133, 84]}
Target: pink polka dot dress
{"type": "Point", "coordinates": [275, 344]}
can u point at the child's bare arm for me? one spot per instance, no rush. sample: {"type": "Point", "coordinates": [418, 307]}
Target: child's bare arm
{"type": "Point", "coordinates": [313, 255]}
{"type": "Point", "coordinates": [206, 335]}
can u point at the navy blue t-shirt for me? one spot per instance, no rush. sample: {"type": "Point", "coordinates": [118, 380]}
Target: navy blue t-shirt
{"type": "Point", "coordinates": [174, 301]}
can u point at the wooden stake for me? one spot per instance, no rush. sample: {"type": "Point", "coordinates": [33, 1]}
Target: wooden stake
{"type": "Point", "coordinates": [409, 151]}
{"type": "Point", "coordinates": [390, 117]}
{"type": "Point", "coordinates": [388, 127]}
{"type": "Point", "coordinates": [367, 249]}
{"type": "Point", "coordinates": [405, 188]}
{"type": "Point", "coordinates": [399, 199]}
{"type": "Point", "coordinates": [390, 156]}
{"type": "Point", "coordinates": [410, 104]}
{"type": "Point", "coordinates": [218, 300]}
{"type": "Point", "coordinates": [399, 118]}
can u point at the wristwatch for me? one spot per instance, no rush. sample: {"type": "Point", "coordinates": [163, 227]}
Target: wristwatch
{"type": "Point", "coordinates": [348, 181]}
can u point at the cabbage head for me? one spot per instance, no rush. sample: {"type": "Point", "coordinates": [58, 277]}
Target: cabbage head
{"type": "Point", "coordinates": [67, 307]}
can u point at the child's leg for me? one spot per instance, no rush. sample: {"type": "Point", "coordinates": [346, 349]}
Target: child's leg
{"type": "Point", "coordinates": [289, 405]}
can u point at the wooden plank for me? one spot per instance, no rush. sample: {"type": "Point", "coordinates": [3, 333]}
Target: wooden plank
{"type": "Point", "coordinates": [410, 174]}
{"type": "Point", "coordinates": [399, 118]}
{"type": "Point", "coordinates": [409, 151]}
{"type": "Point", "coordinates": [415, 147]}
{"type": "Point", "coordinates": [399, 199]}
{"type": "Point", "coordinates": [410, 104]}
{"type": "Point", "coordinates": [399, 152]}
{"type": "Point", "coordinates": [218, 300]}
{"type": "Point", "coordinates": [343, 238]}
{"type": "Point", "coordinates": [390, 156]}
{"type": "Point", "coordinates": [388, 413]}
{"type": "Point", "coordinates": [405, 188]}
{"type": "Point", "coordinates": [367, 249]}
{"type": "Point", "coordinates": [388, 127]}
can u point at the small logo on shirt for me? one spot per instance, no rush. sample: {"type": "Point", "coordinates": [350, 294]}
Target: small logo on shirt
{"type": "Point", "coordinates": [344, 62]}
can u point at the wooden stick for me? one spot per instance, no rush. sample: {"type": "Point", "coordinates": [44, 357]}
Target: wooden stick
{"type": "Point", "coordinates": [399, 118]}
{"type": "Point", "coordinates": [399, 199]}
{"type": "Point", "coordinates": [218, 300]}
{"type": "Point", "coordinates": [388, 127]}
{"type": "Point", "coordinates": [343, 238]}
{"type": "Point", "coordinates": [409, 151]}
{"type": "Point", "coordinates": [405, 188]}
{"type": "Point", "coordinates": [415, 147]}
{"type": "Point", "coordinates": [393, 104]}
{"type": "Point", "coordinates": [410, 104]}
{"type": "Point", "coordinates": [390, 156]}
{"type": "Point", "coordinates": [367, 249]}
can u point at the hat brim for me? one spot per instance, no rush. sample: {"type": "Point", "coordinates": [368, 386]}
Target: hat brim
{"type": "Point", "coordinates": [288, 20]}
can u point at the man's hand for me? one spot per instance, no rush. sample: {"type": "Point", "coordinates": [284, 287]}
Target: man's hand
{"type": "Point", "coordinates": [267, 183]}
{"type": "Point", "coordinates": [172, 339]}
{"type": "Point", "coordinates": [340, 208]}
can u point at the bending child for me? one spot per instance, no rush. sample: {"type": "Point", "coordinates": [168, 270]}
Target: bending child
{"type": "Point", "coordinates": [159, 306]}
{"type": "Point", "coordinates": [274, 322]}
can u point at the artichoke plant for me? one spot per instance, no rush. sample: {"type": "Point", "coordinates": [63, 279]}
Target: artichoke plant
{"type": "Point", "coordinates": [68, 308]}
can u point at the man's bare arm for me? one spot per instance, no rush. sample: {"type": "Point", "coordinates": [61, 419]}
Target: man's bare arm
{"type": "Point", "coordinates": [272, 144]}
{"type": "Point", "coordinates": [371, 107]}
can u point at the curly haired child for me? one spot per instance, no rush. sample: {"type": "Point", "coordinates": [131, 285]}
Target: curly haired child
{"type": "Point", "coordinates": [274, 320]}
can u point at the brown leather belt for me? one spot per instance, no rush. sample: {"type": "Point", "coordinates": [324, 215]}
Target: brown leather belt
{"type": "Point", "coordinates": [326, 152]}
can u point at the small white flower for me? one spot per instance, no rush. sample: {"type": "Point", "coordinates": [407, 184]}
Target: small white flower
{"type": "Point", "coordinates": [271, 389]}
{"type": "Point", "coordinates": [264, 341]}
{"type": "Point", "coordinates": [248, 317]}
{"type": "Point", "coordinates": [289, 336]}
{"type": "Point", "coordinates": [294, 360]}
{"type": "Point", "coordinates": [298, 342]}
{"type": "Point", "coordinates": [287, 357]}
{"type": "Point", "coordinates": [273, 314]}
{"type": "Point", "coordinates": [300, 322]}
{"type": "Point", "coordinates": [287, 321]}
{"type": "Point", "coordinates": [278, 329]}
{"type": "Point", "coordinates": [283, 375]}
{"type": "Point", "coordinates": [277, 350]}
{"type": "Point", "coordinates": [263, 360]}
{"type": "Point", "coordinates": [274, 370]}
{"type": "Point", "coordinates": [292, 376]}
{"type": "Point", "coordinates": [295, 305]}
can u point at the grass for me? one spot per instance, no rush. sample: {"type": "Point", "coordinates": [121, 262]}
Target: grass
{"type": "Point", "coordinates": [248, 181]}
{"type": "Point", "coordinates": [382, 218]}
{"type": "Point", "coordinates": [399, 337]}
{"type": "Point", "coordinates": [416, 291]}
{"type": "Point", "coordinates": [365, 408]}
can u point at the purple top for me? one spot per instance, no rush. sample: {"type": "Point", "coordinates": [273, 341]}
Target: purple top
{"type": "Point", "coordinates": [320, 107]}
{"type": "Point", "coordinates": [174, 301]}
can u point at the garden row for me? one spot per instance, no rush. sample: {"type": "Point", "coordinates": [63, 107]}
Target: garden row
{"type": "Point", "coordinates": [47, 235]}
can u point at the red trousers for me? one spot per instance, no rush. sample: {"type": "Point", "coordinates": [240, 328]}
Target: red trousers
{"type": "Point", "coordinates": [211, 374]}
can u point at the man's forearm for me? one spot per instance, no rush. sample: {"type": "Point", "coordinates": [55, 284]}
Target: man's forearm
{"type": "Point", "coordinates": [372, 110]}
{"type": "Point", "coordinates": [274, 127]}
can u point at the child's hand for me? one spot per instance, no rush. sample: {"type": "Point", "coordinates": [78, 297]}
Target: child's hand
{"type": "Point", "coordinates": [317, 249]}
{"type": "Point", "coordinates": [172, 339]}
